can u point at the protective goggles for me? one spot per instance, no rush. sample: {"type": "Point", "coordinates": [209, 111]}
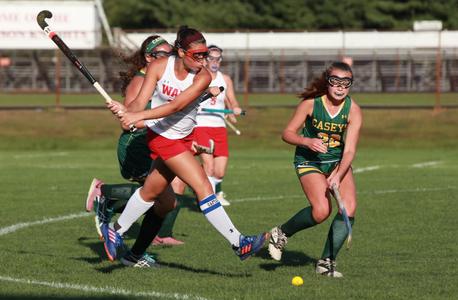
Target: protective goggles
{"type": "Point", "coordinates": [157, 54]}
{"type": "Point", "coordinates": [216, 59]}
{"type": "Point", "coordinates": [198, 54]}
{"type": "Point", "coordinates": [335, 81]}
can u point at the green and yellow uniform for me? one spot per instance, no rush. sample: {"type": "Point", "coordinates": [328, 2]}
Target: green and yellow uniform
{"type": "Point", "coordinates": [331, 130]}
{"type": "Point", "coordinates": [133, 152]}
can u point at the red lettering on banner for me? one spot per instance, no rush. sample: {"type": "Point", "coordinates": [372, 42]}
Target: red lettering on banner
{"type": "Point", "coordinates": [9, 17]}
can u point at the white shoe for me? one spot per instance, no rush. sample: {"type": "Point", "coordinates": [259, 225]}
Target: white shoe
{"type": "Point", "coordinates": [221, 198]}
{"type": "Point", "coordinates": [277, 243]}
{"type": "Point", "coordinates": [327, 267]}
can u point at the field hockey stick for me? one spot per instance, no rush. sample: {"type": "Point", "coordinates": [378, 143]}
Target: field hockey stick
{"type": "Point", "coordinates": [237, 132]}
{"type": "Point", "coordinates": [207, 95]}
{"type": "Point", "coordinates": [46, 14]}
{"type": "Point", "coordinates": [224, 111]}
{"type": "Point", "coordinates": [336, 193]}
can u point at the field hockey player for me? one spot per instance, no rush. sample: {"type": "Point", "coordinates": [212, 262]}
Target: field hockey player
{"type": "Point", "coordinates": [324, 153]}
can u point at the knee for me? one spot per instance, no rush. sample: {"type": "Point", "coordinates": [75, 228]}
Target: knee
{"type": "Point", "coordinates": [320, 213]}
{"type": "Point", "coordinates": [148, 196]}
{"type": "Point", "coordinates": [218, 174]}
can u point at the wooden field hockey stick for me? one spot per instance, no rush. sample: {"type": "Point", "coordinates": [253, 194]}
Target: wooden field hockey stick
{"type": "Point", "coordinates": [237, 132]}
{"type": "Point", "coordinates": [224, 111]}
{"type": "Point", "coordinates": [46, 14]}
{"type": "Point", "coordinates": [338, 198]}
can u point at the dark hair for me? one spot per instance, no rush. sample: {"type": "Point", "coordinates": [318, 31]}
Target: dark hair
{"type": "Point", "coordinates": [215, 48]}
{"type": "Point", "coordinates": [319, 86]}
{"type": "Point", "coordinates": [136, 61]}
{"type": "Point", "coordinates": [187, 36]}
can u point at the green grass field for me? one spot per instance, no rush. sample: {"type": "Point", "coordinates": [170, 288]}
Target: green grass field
{"type": "Point", "coordinates": [404, 243]}
{"type": "Point", "coordinates": [46, 99]}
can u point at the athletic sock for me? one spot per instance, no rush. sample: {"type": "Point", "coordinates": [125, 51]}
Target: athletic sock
{"type": "Point", "coordinates": [336, 237]}
{"type": "Point", "coordinates": [218, 187]}
{"type": "Point", "coordinates": [218, 217]}
{"type": "Point", "coordinates": [300, 221]}
{"type": "Point", "coordinates": [212, 182]}
{"type": "Point", "coordinates": [169, 220]}
{"type": "Point", "coordinates": [150, 226]}
{"type": "Point", "coordinates": [134, 209]}
{"type": "Point", "coordinates": [118, 195]}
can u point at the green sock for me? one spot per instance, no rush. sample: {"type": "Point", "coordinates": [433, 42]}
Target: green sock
{"type": "Point", "coordinates": [118, 195]}
{"type": "Point", "coordinates": [300, 221]}
{"type": "Point", "coordinates": [218, 188]}
{"type": "Point", "coordinates": [336, 237]}
{"type": "Point", "coordinates": [169, 220]}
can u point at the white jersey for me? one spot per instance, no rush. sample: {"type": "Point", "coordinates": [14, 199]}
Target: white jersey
{"type": "Point", "coordinates": [212, 119]}
{"type": "Point", "coordinates": [181, 123]}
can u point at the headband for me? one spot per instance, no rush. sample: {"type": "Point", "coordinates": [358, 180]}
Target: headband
{"type": "Point", "coordinates": [154, 43]}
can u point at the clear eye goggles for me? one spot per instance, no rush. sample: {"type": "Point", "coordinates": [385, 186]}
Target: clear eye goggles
{"type": "Point", "coordinates": [214, 58]}
{"type": "Point", "coordinates": [344, 82]}
{"type": "Point", "coordinates": [157, 54]}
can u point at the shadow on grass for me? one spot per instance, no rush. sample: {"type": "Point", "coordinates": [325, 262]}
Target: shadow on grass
{"type": "Point", "coordinates": [288, 259]}
{"type": "Point", "coordinates": [203, 271]}
{"type": "Point", "coordinates": [97, 247]}
{"type": "Point", "coordinates": [29, 297]}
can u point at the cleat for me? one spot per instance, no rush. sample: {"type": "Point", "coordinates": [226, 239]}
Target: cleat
{"type": "Point", "coordinates": [144, 261]}
{"type": "Point", "coordinates": [166, 241]}
{"type": "Point", "coordinates": [112, 240]}
{"type": "Point", "coordinates": [250, 245]}
{"type": "Point", "coordinates": [103, 213]}
{"type": "Point", "coordinates": [327, 267]}
{"type": "Point", "coordinates": [204, 149]}
{"type": "Point", "coordinates": [94, 191]}
{"type": "Point", "coordinates": [98, 226]}
{"type": "Point", "coordinates": [221, 198]}
{"type": "Point", "coordinates": [277, 243]}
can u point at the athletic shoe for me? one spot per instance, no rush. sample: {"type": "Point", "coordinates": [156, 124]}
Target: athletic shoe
{"type": "Point", "coordinates": [144, 261]}
{"type": "Point", "coordinates": [94, 191]}
{"type": "Point", "coordinates": [112, 240]}
{"type": "Point", "coordinates": [98, 226]}
{"type": "Point", "coordinates": [205, 149]}
{"type": "Point", "coordinates": [327, 267]}
{"type": "Point", "coordinates": [167, 241]}
{"type": "Point", "coordinates": [221, 198]}
{"type": "Point", "coordinates": [277, 243]}
{"type": "Point", "coordinates": [250, 245]}
{"type": "Point", "coordinates": [103, 213]}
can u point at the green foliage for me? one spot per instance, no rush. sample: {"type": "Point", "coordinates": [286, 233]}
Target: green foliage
{"type": "Point", "coordinates": [280, 14]}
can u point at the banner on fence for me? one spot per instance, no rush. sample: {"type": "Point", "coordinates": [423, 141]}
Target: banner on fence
{"type": "Point", "coordinates": [76, 22]}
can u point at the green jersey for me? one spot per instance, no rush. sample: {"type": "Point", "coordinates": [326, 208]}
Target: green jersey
{"type": "Point", "coordinates": [133, 152]}
{"type": "Point", "coordinates": [330, 129]}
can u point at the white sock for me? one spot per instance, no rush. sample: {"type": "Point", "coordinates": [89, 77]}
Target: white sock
{"type": "Point", "coordinates": [212, 182]}
{"type": "Point", "coordinates": [218, 217]}
{"type": "Point", "coordinates": [134, 209]}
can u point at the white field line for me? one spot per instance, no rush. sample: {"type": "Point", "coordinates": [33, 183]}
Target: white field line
{"type": "Point", "coordinates": [105, 290]}
{"type": "Point", "coordinates": [421, 190]}
{"type": "Point", "coordinates": [38, 155]}
{"type": "Point", "coordinates": [15, 227]}
{"type": "Point", "coordinates": [366, 169]}
{"type": "Point", "coordinates": [425, 164]}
